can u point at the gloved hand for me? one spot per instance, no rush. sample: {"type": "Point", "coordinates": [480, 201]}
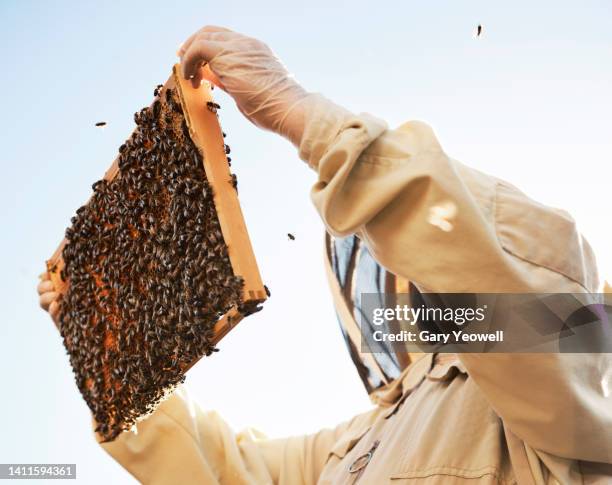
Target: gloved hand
{"type": "Point", "coordinates": [250, 72]}
{"type": "Point", "coordinates": [48, 297]}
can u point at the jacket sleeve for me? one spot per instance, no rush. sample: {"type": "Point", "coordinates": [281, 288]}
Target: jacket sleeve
{"type": "Point", "coordinates": [450, 228]}
{"type": "Point", "coordinates": [180, 443]}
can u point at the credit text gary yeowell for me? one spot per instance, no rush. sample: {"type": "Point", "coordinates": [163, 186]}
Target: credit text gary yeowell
{"type": "Point", "coordinates": [405, 314]}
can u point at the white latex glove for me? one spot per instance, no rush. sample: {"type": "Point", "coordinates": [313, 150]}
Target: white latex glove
{"type": "Point", "coordinates": [48, 297]}
{"type": "Point", "coordinates": [250, 72]}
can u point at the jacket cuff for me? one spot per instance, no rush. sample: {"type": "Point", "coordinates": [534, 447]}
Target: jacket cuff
{"type": "Point", "coordinates": [323, 120]}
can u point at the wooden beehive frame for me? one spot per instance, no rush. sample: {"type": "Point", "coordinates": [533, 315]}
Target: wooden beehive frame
{"type": "Point", "coordinates": [206, 134]}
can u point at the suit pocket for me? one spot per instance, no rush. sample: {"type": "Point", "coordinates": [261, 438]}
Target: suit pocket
{"type": "Point", "coordinates": [449, 476]}
{"type": "Point", "coordinates": [542, 235]}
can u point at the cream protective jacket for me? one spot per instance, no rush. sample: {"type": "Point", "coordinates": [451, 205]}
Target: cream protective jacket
{"type": "Point", "coordinates": [466, 419]}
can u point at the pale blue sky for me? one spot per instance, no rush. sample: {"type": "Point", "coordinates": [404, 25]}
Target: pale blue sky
{"type": "Point", "coordinates": [531, 101]}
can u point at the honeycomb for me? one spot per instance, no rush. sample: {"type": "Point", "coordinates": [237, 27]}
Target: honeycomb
{"type": "Point", "coordinates": [146, 272]}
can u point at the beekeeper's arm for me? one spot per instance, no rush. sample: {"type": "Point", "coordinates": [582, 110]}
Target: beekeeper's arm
{"type": "Point", "coordinates": [180, 443]}
{"type": "Point", "coordinates": [441, 225]}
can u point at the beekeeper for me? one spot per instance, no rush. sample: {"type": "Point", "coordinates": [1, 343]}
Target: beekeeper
{"type": "Point", "coordinates": [437, 418]}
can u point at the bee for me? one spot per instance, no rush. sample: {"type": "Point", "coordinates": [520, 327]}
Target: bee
{"type": "Point", "coordinates": [234, 181]}
{"type": "Point", "coordinates": [212, 106]}
{"type": "Point", "coordinates": [291, 236]}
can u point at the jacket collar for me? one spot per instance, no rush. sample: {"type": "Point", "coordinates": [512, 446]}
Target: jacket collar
{"type": "Point", "coordinates": [436, 367]}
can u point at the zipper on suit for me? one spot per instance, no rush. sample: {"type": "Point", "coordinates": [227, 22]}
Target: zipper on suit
{"type": "Point", "coordinates": [358, 466]}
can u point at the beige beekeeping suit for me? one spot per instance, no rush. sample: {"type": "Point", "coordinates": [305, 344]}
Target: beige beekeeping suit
{"type": "Point", "coordinates": [466, 419]}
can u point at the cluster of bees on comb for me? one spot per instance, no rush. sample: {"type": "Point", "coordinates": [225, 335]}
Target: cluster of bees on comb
{"type": "Point", "coordinates": [148, 271]}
